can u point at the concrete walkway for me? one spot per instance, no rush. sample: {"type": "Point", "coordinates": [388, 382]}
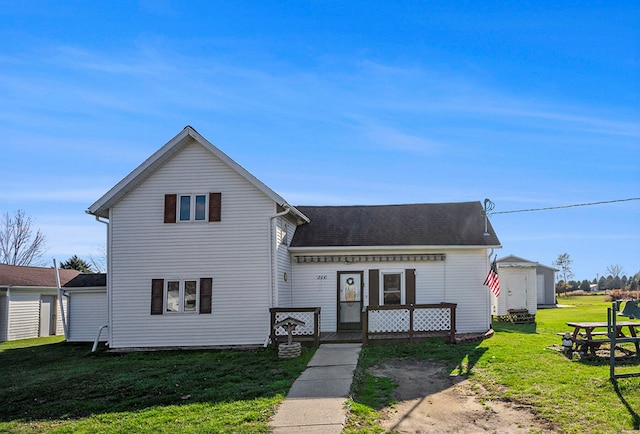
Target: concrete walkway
{"type": "Point", "coordinates": [316, 399]}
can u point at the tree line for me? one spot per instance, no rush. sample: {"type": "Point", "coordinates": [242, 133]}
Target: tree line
{"type": "Point", "coordinates": [616, 279]}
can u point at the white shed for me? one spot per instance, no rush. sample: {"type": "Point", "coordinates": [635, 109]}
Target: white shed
{"type": "Point", "coordinates": [87, 307]}
{"type": "Point", "coordinates": [518, 286]}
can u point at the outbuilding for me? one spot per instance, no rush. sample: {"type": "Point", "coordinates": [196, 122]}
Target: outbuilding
{"type": "Point", "coordinates": [29, 304]}
{"type": "Point", "coordinates": [525, 285]}
{"type": "Point", "coordinates": [86, 296]}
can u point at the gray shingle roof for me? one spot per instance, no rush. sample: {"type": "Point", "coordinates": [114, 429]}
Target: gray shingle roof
{"type": "Point", "coordinates": [436, 224]}
{"type": "Point", "coordinates": [87, 280]}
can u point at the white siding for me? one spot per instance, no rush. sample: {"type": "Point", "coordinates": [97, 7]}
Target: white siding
{"type": "Point", "coordinates": [465, 273]}
{"type": "Point", "coordinates": [87, 313]}
{"type": "Point", "coordinates": [58, 316]}
{"type": "Point", "coordinates": [458, 279]}
{"type": "Point", "coordinates": [234, 252]}
{"type": "Point", "coordinates": [284, 234]}
{"type": "Point", "coordinates": [315, 285]}
{"type": "Point", "coordinates": [3, 316]}
{"type": "Point", "coordinates": [24, 315]}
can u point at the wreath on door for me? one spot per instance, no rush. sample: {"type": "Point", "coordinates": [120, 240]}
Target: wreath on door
{"type": "Point", "coordinates": [350, 290]}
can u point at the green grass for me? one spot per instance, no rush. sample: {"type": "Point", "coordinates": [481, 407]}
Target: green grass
{"type": "Point", "coordinates": [52, 386]}
{"type": "Point", "coordinates": [515, 365]}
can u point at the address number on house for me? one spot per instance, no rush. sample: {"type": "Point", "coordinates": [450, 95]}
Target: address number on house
{"type": "Point", "coordinates": [321, 277]}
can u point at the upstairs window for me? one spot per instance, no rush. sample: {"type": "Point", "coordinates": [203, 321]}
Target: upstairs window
{"type": "Point", "coordinates": [192, 207]}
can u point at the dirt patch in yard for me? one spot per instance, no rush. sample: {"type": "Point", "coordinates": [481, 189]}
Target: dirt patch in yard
{"type": "Point", "coordinates": [429, 400]}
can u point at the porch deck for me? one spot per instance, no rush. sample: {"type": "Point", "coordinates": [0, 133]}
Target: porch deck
{"type": "Point", "coordinates": [380, 324]}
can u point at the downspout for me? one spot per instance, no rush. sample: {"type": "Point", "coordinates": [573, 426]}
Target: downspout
{"type": "Point", "coordinates": [95, 345]}
{"type": "Point", "coordinates": [273, 260]}
{"type": "Point", "coordinates": [65, 325]}
{"type": "Point", "coordinates": [8, 329]}
{"type": "Point", "coordinates": [97, 341]}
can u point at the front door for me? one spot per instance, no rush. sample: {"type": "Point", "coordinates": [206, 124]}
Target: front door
{"type": "Point", "coordinates": [47, 315]}
{"type": "Point", "coordinates": [516, 285]}
{"type": "Point", "coordinates": [349, 300]}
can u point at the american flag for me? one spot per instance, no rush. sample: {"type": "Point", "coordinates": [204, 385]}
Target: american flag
{"type": "Point", "coordinates": [492, 280]}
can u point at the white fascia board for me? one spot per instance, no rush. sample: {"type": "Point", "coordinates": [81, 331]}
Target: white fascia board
{"type": "Point", "coordinates": [81, 289]}
{"type": "Point", "coordinates": [40, 289]}
{"type": "Point", "coordinates": [143, 171]}
{"type": "Point", "coordinates": [247, 175]}
{"type": "Point", "coordinates": [161, 156]}
{"type": "Point", "coordinates": [517, 265]}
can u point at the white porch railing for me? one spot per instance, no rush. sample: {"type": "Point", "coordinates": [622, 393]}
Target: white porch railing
{"type": "Point", "coordinates": [409, 321]}
{"type": "Point", "coordinates": [310, 331]}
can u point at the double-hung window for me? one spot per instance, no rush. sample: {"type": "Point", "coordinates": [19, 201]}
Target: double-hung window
{"type": "Point", "coordinates": [392, 290]}
{"type": "Point", "coordinates": [192, 207]}
{"type": "Point", "coordinates": [182, 296]}
{"type": "Point", "coordinates": [172, 296]}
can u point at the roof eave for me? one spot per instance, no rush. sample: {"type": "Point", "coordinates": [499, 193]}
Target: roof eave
{"type": "Point", "coordinates": [389, 248]}
{"type": "Point", "coordinates": [101, 207]}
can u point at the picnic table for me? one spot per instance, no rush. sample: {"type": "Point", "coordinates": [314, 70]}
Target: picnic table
{"type": "Point", "coordinates": [591, 339]}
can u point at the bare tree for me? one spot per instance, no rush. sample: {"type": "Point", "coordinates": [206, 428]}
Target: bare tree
{"type": "Point", "coordinates": [19, 245]}
{"type": "Point", "coordinates": [615, 270]}
{"type": "Point", "coordinates": [99, 261]}
{"type": "Point", "coordinates": [564, 262]}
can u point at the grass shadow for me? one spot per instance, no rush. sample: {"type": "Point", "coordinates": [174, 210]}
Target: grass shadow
{"type": "Point", "coordinates": [507, 327]}
{"type": "Point", "coordinates": [635, 418]}
{"type": "Point", "coordinates": [62, 381]}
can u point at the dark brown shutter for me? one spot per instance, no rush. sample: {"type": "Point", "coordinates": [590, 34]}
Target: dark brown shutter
{"type": "Point", "coordinates": [170, 206]}
{"type": "Point", "coordinates": [374, 288]}
{"type": "Point", "coordinates": [157, 296]}
{"type": "Point", "coordinates": [215, 207]}
{"type": "Point", "coordinates": [206, 285]}
{"type": "Point", "coordinates": [410, 286]}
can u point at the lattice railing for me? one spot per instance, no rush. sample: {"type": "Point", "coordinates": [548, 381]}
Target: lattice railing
{"type": "Point", "coordinates": [388, 321]}
{"type": "Point", "coordinates": [310, 316]}
{"type": "Point", "coordinates": [432, 319]}
{"type": "Point", "coordinates": [410, 321]}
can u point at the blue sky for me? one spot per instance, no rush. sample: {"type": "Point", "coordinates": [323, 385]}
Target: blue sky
{"type": "Point", "coordinates": [531, 104]}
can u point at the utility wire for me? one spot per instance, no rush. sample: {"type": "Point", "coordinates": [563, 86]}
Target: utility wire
{"type": "Point", "coordinates": [566, 206]}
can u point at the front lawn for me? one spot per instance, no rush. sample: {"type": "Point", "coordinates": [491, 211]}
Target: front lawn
{"type": "Point", "coordinates": [516, 365]}
{"type": "Point", "coordinates": [52, 386]}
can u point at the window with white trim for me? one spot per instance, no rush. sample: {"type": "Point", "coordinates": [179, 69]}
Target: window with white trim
{"type": "Point", "coordinates": [192, 207]}
{"type": "Point", "coordinates": [173, 296]}
{"type": "Point", "coordinates": [181, 296]}
{"type": "Point", "coordinates": [392, 290]}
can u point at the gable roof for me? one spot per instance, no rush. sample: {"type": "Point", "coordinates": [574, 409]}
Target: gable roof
{"type": "Point", "coordinates": [187, 136]}
{"type": "Point", "coordinates": [14, 275]}
{"type": "Point", "coordinates": [517, 259]}
{"type": "Point", "coordinates": [436, 224]}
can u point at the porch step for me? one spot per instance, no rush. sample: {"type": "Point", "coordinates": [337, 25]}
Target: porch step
{"type": "Point", "coordinates": [517, 316]}
{"type": "Point", "coordinates": [340, 337]}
